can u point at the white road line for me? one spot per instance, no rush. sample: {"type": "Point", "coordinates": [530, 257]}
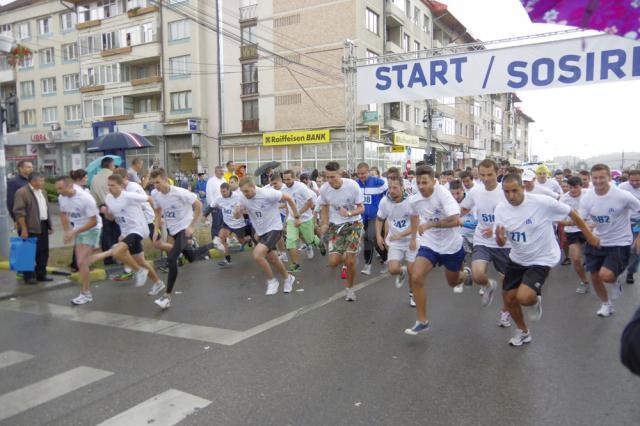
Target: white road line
{"type": "Point", "coordinates": [165, 409]}
{"type": "Point", "coordinates": [38, 393]}
{"type": "Point", "coordinates": [8, 358]}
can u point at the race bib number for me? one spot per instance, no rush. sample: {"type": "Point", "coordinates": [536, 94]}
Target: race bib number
{"type": "Point", "coordinates": [170, 214]}
{"type": "Point", "coordinates": [120, 220]}
{"type": "Point", "coordinates": [400, 224]}
{"type": "Point", "coordinates": [228, 212]}
{"type": "Point", "coordinates": [367, 199]}
{"type": "Point", "coordinates": [518, 237]}
{"type": "Point", "coordinates": [601, 219]}
{"type": "Point", "coordinates": [488, 218]}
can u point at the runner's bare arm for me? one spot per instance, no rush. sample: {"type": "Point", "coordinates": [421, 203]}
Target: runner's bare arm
{"type": "Point", "coordinates": [586, 231]}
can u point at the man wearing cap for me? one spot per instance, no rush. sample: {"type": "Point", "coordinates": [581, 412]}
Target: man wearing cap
{"type": "Point", "coordinates": [542, 174]}
{"type": "Point", "coordinates": [530, 185]}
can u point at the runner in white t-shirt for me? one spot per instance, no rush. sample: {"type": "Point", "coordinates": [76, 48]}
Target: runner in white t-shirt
{"type": "Point", "coordinates": [467, 227]}
{"type": "Point", "coordinates": [342, 204]}
{"type": "Point", "coordinates": [632, 186]}
{"type": "Point", "coordinates": [575, 239]}
{"type": "Point", "coordinates": [610, 209]}
{"type": "Point", "coordinates": [532, 187]}
{"type": "Point", "coordinates": [275, 183]}
{"type": "Point", "coordinates": [543, 179]}
{"type": "Point", "coordinates": [79, 207]}
{"type": "Point", "coordinates": [526, 220]}
{"type": "Point", "coordinates": [180, 209]}
{"type": "Point", "coordinates": [484, 198]}
{"type": "Point", "coordinates": [227, 202]}
{"type": "Point", "coordinates": [262, 205]}
{"type": "Point", "coordinates": [435, 217]}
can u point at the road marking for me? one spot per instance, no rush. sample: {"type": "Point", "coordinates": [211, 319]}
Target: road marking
{"type": "Point", "coordinates": [38, 393]}
{"type": "Point", "coordinates": [165, 409]}
{"type": "Point", "coordinates": [201, 333]}
{"type": "Point", "coordinates": [8, 358]}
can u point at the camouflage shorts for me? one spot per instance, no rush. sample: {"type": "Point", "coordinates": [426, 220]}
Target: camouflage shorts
{"type": "Point", "coordinates": [344, 238]}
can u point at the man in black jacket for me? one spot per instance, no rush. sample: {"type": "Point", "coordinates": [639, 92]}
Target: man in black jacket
{"type": "Point", "coordinates": [24, 170]}
{"type": "Point", "coordinates": [630, 350]}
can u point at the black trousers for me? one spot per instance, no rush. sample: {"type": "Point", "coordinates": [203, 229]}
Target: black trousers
{"type": "Point", "coordinates": [109, 237]}
{"type": "Point", "coordinates": [42, 253]}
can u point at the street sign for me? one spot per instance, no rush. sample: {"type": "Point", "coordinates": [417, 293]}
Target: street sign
{"type": "Point", "coordinates": [368, 116]}
{"type": "Point", "coordinates": [192, 125]}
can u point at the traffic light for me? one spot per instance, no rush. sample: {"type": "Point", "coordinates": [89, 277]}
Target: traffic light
{"type": "Point", "coordinates": [431, 157]}
{"type": "Point", "coordinates": [10, 113]}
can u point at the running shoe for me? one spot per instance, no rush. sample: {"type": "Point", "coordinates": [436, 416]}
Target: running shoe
{"type": "Point", "coordinates": [141, 277]}
{"type": "Point", "coordinates": [283, 257]}
{"type": "Point", "coordinates": [535, 311]}
{"type": "Point", "coordinates": [125, 276]}
{"type": "Point", "coordinates": [83, 297]}
{"type": "Point", "coordinates": [343, 274]}
{"type": "Point", "coordinates": [164, 302]}
{"type": "Point", "coordinates": [487, 295]}
{"type": "Point", "coordinates": [294, 267]}
{"type": "Point", "coordinates": [310, 253]}
{"type": "Point", "coordinates": [481, 291]}
{"type": "Point", "coordinates": [288, 284]}
{"type": "Point", "coordinates": [566, 261]}
{"type": "Point", "coordinates": [606, 310]}
{"type": "Point", "coordinates": [412, 301]}
{"type": "Point", "coordinates": [323, 248]}
{"type": "Point", "coordinates": [468, 278]}
{"type": "Point", "coordinates": [614, 289]}
{"type": "Point", "coordinates": [520, 338]}
{"type": "Point", "coordinates": [417, 328]}
{"type": "Point", "coordinates": [217, 243]}
{"type": "Point", "coordinates": [350, 295]}
{"type": "Point", "coordinates": [272, 286]}
{"type": "Point", "coordinates": [402, 278]}
{"type": "Point", "coordinates": [504, 320]}
{"type": "Point", "coordinates": [630, 279]}
{"type": "Point", "coordinates": [458, 289]}
{"type": "Point", "coordinates": [384, 269]}
{"type": "Point", "coordinates": [583, 288]}
{"type": "Point", "coordinates": [156, 288]}
{"type": "Point", "coordinates": [225, 263]}
{"type": "Point", "coordinates": [366, 270]}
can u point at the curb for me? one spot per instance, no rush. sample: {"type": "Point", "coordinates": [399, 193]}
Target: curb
{"type": "Point", "coordinates": [30, 290]}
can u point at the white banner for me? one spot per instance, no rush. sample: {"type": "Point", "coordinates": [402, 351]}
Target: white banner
{"type": "Point", "coordinates": [562, 63]}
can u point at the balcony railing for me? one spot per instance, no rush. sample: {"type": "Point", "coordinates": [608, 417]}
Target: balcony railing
{"type": "Point", "coordinates": [251, 125]}
{"type": "Point", "coordinates": [248, 51]}
{"type": "Point", "coordinates": [248, 12]}
{"type": "Point", "coordinates": [250, 88]}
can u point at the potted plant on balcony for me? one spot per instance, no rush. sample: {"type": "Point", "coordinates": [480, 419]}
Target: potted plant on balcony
{"type": "Point", "coordinates": [133, 11]}
{"type": "Point", "coordinates": [17, 54]}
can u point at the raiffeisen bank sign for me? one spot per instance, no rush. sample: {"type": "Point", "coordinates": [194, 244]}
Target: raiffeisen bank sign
{"type": "Point", "coordinates": [585, 60]}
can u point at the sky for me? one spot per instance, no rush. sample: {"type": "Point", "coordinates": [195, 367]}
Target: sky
{"type": "Point", "coordinates": [583, 121]}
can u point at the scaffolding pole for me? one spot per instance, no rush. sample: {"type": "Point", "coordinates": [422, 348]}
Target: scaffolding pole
{"type": "Point", "coordinates": [349, 68]}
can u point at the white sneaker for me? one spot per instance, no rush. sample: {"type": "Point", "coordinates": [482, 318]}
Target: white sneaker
{"type": "Point", "coordinates": [82, 298]}
{"type": "Point", "coordinates": [310, 252]}
{"type": "Point", "coordinates": [127, 270]}
{"type": "Point", "coordinates": [459, 288]}
{"type": "Point", "coordinates": [288, 284]}
{"type": "Point", "coordinates": [520, 338]}
{"type": "Point", "coordinates": [283, 257]}
{"type": "Point", "coordinates": [156, 288]}
{"type": "Point", "coordinates": [535, 311]}
{"type": "Point", "coordinates": [384, 269]}
{"type": "Point", "coordinates": [504, 320]}
{"type": "Point", "coordinates": [614, 289]}
{"type": "Point", "coordinates": [487, 295]}
{"type": "Point", "coordinates": [606, 310]}
{"type": "Point", "coordinates": [481, 291]}
{"type": "Point", "coordinates": [272, 286]}
{"type": "Point", "coordinates": [468, 278]}
{"type": "Point", "coordinates": [303, 247]}
{"type": "Point", "coordinates": [583, 288]}
{"type": "Point", "coordinates": [350, 295]}
{"type": "Point", "coordinates": [217, 243]}
{"type": "Point", "coordinates": [141, 277]}
{"type": "Point", "coordinates": [164, 302]}
{"type": "Point", "coordinates": [402, 278]}
{"type": "Point", "coordinates": [366, 270]}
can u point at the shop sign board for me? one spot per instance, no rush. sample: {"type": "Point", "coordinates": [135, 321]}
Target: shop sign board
{"type": "Point", "coordinates": [301, 137]}
{"type": "Point", "coordinates": [397, 148]}
{"type": "Point", "coordinates": [406, 140]}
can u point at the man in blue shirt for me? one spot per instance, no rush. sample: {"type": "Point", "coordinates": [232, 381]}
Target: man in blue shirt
{"type": "Point", "coordinates": [373, 190]}
{"type": "Point", "coordinates": [201, 188]}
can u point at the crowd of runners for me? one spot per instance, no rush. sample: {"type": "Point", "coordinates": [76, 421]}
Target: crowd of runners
{"type": "Point", "coordinates": [518, 221]}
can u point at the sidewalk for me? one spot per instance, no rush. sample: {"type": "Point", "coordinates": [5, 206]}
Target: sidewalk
{"type": "Point", "coordinates": [10, 287]}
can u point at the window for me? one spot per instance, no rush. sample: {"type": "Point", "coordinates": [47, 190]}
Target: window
{"type": "Point", "coordinates": [371, 56]}
{"type": "Point", "coordinates": [89, 44]}
{"type": "Point", "coordinates": [394, 111]}
{"type": "Point", "coordinates": [416, 16]}
{"type": "Point", "coordinates": [109, 41]}
{"type": "Point", "coordinates": [89, 77]}
{"type": "Point", "coordinates": [44, 25]}
{"type": "Point", "coordinates": [407, 8]}
{"type": "Point", "coordinates": [250, 78]}
{"type": "Point", "coordinates": [181, 65]}
{"type": "Point", "coordinates": [448, 126]}
{"type": "Point", "coordinates": [250, 110]}
{"type": "Point", "coordinates": [23, 30]}
{"type": "Point", "coordinates": [27, 89]}
{"type": "Point", "coordinates": [48, 85]}
{"type": "Point", "coordinates": [87, 107]}
{"type": "Point", "coordinates": [107, 8]}
{"type": "Point", "coordinates": [109, 74]}
{"type": "Point", "coordinates": [84, 14]}
{"type": "Point", "coordinates": [28, 117]}
{"type": "Point", "coordinates": [179, 30]}
{"type": "Point", "coordinates": [71, 82]}
{"type": "Point", "coordinates": [181, 100]}
{"type": "Point", "coordinates": [372, 107]}
{"type": "Point", "coordinates": [132, 4]}
{"type": "Point", "coordinates": [72, 113]}
{"type": "Point", "coordinates": [497, 112]}
{"type": "Point", "coordinates": [416, 46]}
{"type": "Point", "coordinates": [417, 117]}
{"type": "Point", "coordinates": [407, 113]}
{"type": "Point", "coordinates": [97, 108]}
{"type": "Point", "coordinates": [68, 21]}
{"type": "Point", "coordinates": [49, 115]}
{"type": "Point", "coordinates": [477, 109]}
{"type": "Point", "coordinates": [425, 24]}
{"type": "Point", "coordinates": [130, 36]}
{"type": "Point", "coordinates": [405, 42]}
{"type": "Point", "coordinates": [497, 129]}
{"type": "Point", "coordinates": [5, 29]}
{"type": "Point", "coordinates": [147, 33]}
{"type": "Point", "coordinates": [107, 106]}
{"type": "Point", "coordinates": [26, 61]}
{"type": "Point", "coordinates": [46, 56]}
{"type": "Point", "coordinates": [249, 35]}
{"type": "Point", "coordinates": [372, 21]}
{"type": "Point", "coordinates": [70, 52]}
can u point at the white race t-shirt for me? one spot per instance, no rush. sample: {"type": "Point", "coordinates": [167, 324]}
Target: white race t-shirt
{"type": "Point", "coordinates": [484, 202]}
{"type": "Point", "coordinates": [264, 210]}
{"type": "Point", "coordinates": [438, 206]}
{"type": "Point", "coordinates": [80, 207]}
{"type": "Point", "coordinates": [611, 214]}
{"type": "Point", "coordinates": [177, 207]}
{"type": "Point", "coordinates": [574, 203]}
{"type": "Point", "coordinates": [347, 196]}
{"type": "Point", "coordinates": [626, 186]}
{"type": "Point", "coordinates": [127, 210]}
{"type": "Point", "coordinates": [551, 184]}
{"type": "Point", "coordinates": [539, 189]}
{"type": "Point", "coordinates": [213, 188]}
{"type": "Point", "coordinates": [149, 214]}
{"type": "Point", "coordinates": [529, 227]}
{"type": "Point", "coordinates": [228, 206]}
{"type": "Point", "coordinates": [300, 193]}
{"type": "Point", "coordinates": [398, 216]}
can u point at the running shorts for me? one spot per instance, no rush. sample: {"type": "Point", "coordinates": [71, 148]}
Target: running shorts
{"type": "Point", "coordinates": [270, 239]}
{"type": "Point", "coordinates": [452, 262]}
{"type": "Point", "coordinates": [345, 237]}
{"type": "Point", "coordinates": [532, 276]}
{"type": "Point", "coordinates": [575, 238]}
{"type": "Point", "coordinates": [498, 256]}
{"type": "Point", "coordinates": [400, 253]}
{"type": "Point", "coordinates": [614, 258]}
{"type": "Point", "coordinates": [134, 242]}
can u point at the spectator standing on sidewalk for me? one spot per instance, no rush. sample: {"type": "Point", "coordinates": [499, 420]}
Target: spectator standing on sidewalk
{"type": "Point", "coordinates": [99, 191]}
{"type": "Point", "coordinates": [21, 179]}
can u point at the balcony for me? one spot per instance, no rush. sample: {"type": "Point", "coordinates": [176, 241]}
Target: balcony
{"type": "Point", "coordinates": [250, 88]}
{"type": "Point", "coordinates": [251, 125]}
{"type": "Point", "coordinates": [395, 15]}
{"type": "Point", "coordinates": [138, 11]}
{"type": "Point", "coordinates": [121, 117]}
{"type": "Point", "coordinates": [146, 80]}
{"type": "Point", "coordinates": [7, 75]}
{"type": "Point", "coordinates": [248, 51]}
{"type": "Point", "coordinates": [88, 24]}
{"type": "Point", "coordinates": [90, 89]}
{"type": "Point", "coordinates": [248, 12]}
{"type": "Point", "coordinates": [116, 51]}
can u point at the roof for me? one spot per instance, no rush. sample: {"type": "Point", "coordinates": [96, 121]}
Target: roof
{"type": "Point", "coordinates": [17, 4]}
{"type": "Point", "coordinates": [441, 13]}
{"type": "Point", "coordinates": [525, 116]}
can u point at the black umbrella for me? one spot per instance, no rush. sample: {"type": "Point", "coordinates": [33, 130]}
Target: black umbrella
{"type": "Point", "coordinates": [270, 165]}
{"type": "Point", "coordinates": [118, 141]}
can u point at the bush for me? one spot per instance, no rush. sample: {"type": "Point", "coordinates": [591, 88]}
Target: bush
{"type": "Point", "coordinates": [52, 194]}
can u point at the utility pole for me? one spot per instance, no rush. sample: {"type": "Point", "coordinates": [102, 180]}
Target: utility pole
{"type": "Point", "coordinates": [349, 69]}
{"type": "Point", "coordinates": [6, 43]}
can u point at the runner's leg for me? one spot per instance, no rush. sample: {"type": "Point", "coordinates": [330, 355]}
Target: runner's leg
{"type": "Point", "coordinates": [260, 256]}
{"type": "Point", "coordinates": [421, 269]}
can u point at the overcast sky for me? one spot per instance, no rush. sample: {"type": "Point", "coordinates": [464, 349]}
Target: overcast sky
{"type": "Point", "coordinates": [581, 121]}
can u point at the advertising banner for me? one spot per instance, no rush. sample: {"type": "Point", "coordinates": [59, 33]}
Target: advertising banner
{"type": "Point", "coordinates": [296, 138]}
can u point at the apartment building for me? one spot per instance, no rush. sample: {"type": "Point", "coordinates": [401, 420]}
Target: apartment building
{"type": "Point", "coordinates": [130, 65]}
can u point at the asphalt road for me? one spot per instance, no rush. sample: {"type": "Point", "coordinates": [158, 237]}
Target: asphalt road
{"type": "Point", "coordinates": [225, 354]}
